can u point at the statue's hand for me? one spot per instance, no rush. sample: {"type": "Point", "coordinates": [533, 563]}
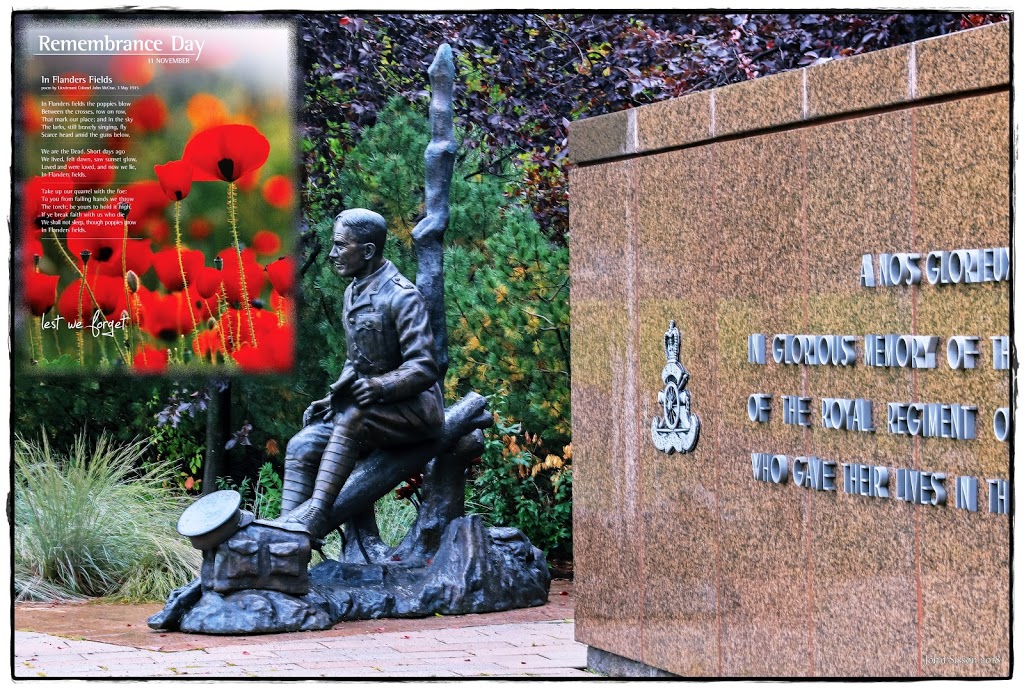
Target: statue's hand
{"type": "Point", "coordinates": [366, 391]}
{"type": "Point", "coordinates": [316, 409]}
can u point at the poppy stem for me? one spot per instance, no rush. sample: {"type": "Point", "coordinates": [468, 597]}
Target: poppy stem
{"type": "Point", "coordinates": [103, 350]}
{"type": "Point", "coordinates": [78, 270]}
{"type": "Point", "coordinates": [32, 345]}
{"type": "Point", "coordinates": [37, 332]}
{"type": "Point", "coordinates": [79, 335]}
{"type": "Point", "coordinates": [233, 217]}
{"type": "Point", "coordinates": [56, 341]}
{"type": "Point", "coordinates": [222, 302]}
{"type": "Point", "coordinates": [137, 322]}
{"type": "Point", "coordinates": [181, 261]}
{"type": "Point", "coordinates": [87, 286]}
{"type": "Point", "coordinates": [124, 281]}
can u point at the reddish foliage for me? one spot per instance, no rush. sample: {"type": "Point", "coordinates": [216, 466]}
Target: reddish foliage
{"type": "Point", "coordinates": [536, 72]}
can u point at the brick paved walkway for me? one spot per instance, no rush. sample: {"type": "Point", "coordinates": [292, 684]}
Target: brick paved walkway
{"type": "Point", "coordinates": [97, 641]}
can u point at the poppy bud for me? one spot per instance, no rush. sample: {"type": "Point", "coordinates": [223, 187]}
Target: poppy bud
{"type": "Point", "coordinates": [123, 208]}
{"type": "Point", "coordinates": [218, 263]}
{"type": "Point", "coordinates": [211, 323]}
{"type": "Point", "coordinates": [35, 260]}
{"type": "Point", "coordinates": [85, 255]}
{"type": "Point", "coordinates": [257, 303]}
{"type": "Point", "coordinates": [133, 281]}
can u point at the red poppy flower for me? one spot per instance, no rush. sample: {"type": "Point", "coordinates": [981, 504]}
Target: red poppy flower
{"type": "Point", "coordinates": [207, 281]}
{"type": "Point", "coordinates": [167, 316]}
{"type": "Point", "coordinates": [74, 86]}
{"type": "Point", "coordinates": [255, 277]}
{"type": "Point", "coordinates": [282, 274]}
{"type": "Point", "coordinates": [175, 178]}
{"type": "Point", "coordinates": [234, 325]}
{"type": "Point", "coordinates": [148, 114]}
{"type": "Point", "coordinates": [40, 291]}
{"type": "Point", "coordinates": [201, 306]}
{"type": "Point", "coordinates": [109, 293]}
{"type": "Point", "coordinates": [207, 343]}
{"type": "Point", "coordinates": [274, 351]}
{"type": "Point", "coordinates": [200, 228]}
{"type": "Point", "coordinates": [150, 359]}
{"type": "Point", "coordinates": [91, 171]}
{"type": "Point", "coordinates": [226, 152]}
{"type": "Point", "coordinates": [98, 231]}
{"type": "Point", "coordinates": [168, 269]}
{"type": "Point", "coordinates": [265, 242]}
{"type": "Point", "coordinates": [277, 191]}
{"type": "Point", "coordinates": [280, 303]}
{"type": "Point", "coordinates": [139, 256]}
{"type": "Point", "coordinates": [157, 229]}
{"type": "Point", "coordinates": [135, 70]}
{"type": "Point", "coordinates": [146, 201]}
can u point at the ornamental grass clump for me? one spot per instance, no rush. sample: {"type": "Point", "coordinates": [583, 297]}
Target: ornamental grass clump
{"type": "Point", "coordinates": [89, 524]}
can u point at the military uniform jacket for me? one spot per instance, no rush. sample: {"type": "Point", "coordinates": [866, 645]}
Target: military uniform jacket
{"type": "Point", "coordinates": [389, 339]}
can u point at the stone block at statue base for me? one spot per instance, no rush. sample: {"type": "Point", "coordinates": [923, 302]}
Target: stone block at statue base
{"type": "Point", "coordinates": [475, 570]}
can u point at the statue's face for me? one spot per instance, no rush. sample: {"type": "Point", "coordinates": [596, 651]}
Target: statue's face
{"type": "Point", "coordinates": [350, 258]}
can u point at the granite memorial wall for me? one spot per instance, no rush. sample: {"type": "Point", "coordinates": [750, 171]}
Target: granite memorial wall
{"type": "Point", "coordinates": [833, 244]}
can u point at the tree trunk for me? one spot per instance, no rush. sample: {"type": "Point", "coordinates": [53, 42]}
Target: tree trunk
{"type": "Point", "coordinates": [218, 428]}
{"type": "Point", "coordinates": [428, 235]}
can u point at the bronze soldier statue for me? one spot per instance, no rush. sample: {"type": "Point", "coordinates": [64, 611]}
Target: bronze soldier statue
{"type": "Point", "coordinates": [388, 392]}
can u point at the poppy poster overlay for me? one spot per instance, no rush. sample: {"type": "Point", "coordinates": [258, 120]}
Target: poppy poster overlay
{"type": "Point", "coordinates": [155, 194]}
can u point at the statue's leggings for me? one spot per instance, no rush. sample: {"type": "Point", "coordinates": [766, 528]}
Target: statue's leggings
{"type": "Point", "coordinates": [338, 459]}
{"type": "Point", "coordinates": [307, 464]}
{"type": "Point", "coordinates": [324, 483]}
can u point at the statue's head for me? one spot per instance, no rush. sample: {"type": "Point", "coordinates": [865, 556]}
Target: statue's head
{"type": "Point", "coordinates": [358, 247]}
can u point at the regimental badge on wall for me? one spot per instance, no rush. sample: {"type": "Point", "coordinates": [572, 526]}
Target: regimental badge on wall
{"type": "Point", "coordinates": [678, 428]}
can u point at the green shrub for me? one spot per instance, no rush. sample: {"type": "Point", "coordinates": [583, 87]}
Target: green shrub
{"type": "Point", "coordinates": [87, 524]}
{"type": "Point", "coordinates": [519, 485]}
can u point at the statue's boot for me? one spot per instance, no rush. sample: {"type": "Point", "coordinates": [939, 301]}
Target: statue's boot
{"type": "Point", "coordinates": [338, 459]}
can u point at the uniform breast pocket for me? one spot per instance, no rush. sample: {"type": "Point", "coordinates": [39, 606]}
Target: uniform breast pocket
{"type": "Point", "coordinates": [369, 332]}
